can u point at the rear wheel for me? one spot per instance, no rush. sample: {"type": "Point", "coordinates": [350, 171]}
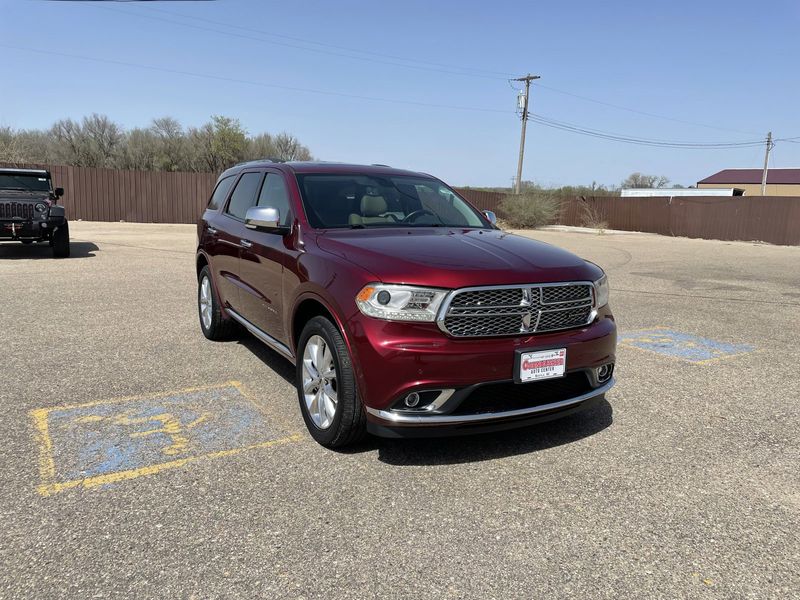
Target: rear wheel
{"type": "Point", "coordinates": [326, 386]}
{"type": "Point", "coordinates": [214, 326]}
{"type": "Point", "coordinates": [60, 241]}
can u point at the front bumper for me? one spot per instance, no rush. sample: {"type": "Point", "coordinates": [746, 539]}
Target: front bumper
{"type": "Point", "coordinates": [29, 230]}
{"type": "Point", "coordinates": [447, 425]}
{"type": "Point", "coordinates": [394, 359]}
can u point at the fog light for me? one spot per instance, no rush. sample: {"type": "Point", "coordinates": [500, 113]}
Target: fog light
{"type": "Point", "coordinates": [604, 373]}
{"type": "Point", "coordinates": [412, 400]}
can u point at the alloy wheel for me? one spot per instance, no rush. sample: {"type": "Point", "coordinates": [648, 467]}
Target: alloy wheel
{"type": "Point", "coordinates": [206, 302]}
{"type": "Point", "coordinates": [319, 382]}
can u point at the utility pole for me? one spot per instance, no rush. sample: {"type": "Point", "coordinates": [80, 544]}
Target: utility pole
{"type": "Point", "coordinates": [527, 79]}
{"type": "Point", "coordinates": [766, 164]}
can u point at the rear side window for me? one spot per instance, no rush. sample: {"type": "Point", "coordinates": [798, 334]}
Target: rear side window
{"type": "Point", "coordinates": [275, 195]}
{"type": "Point", "coordinates": [244, 195]}
{"type": "Point", "coordinates": [220, 193]}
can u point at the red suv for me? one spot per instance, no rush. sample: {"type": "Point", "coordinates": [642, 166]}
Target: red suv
{"type": "Point", "coordinates": [405, 310]}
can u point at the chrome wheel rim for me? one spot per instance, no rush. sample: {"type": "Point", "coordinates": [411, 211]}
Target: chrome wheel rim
{"type": "Point", "coordinates": [320, 390]}
{"type": "Point", "coordinates": [205, 302]}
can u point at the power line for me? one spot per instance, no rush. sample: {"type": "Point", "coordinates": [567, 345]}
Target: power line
{"type": "Point", "coordinates": [256, 83]}
{"type": "Point", "coordinates": [500, 74]}
{"type": "Point", "coordinates": [636, 111]}
{"type": "Point", "coordinates": [298, 47]}
{"type": "Point", "coordinates": [578, 129]}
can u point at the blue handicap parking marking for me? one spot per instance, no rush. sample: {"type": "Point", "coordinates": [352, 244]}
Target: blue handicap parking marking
{"type": "Point", "coordinates": [131, 435]}
{"type": "Point", "coordinates": [682, 345]}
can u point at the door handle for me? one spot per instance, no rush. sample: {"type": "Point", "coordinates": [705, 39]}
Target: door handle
{"type": "Point", "coordinates": [211, 230]}
{"type": "Point", "coordinates": [246, 243]}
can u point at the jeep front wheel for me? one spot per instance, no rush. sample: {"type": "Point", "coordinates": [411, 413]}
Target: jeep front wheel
{"type": "Point", "coordinates": [60, 241]}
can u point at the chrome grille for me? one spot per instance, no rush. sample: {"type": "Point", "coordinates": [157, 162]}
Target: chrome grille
{"type": "Point", "coordinates": [517, 310]}
{"type": "Point", "coordinates": [19, 210]}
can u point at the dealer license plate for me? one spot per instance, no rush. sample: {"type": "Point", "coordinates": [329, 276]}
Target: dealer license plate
{"type": "Point", "coordinates": [546, 364]}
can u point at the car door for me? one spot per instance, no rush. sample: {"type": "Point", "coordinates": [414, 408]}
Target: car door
{"type": "Point", "coordinates": [263, 262]}
{"type": "Point", "coordinates": [220, 246]}
{"type": "Point", "coordinates": [232, 234]}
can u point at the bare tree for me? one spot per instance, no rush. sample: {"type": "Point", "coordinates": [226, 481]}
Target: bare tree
{"type": "Point", "coordinates": [289, 147]}
{"type": "Point", "coordinates": [640, 180]}
{"type": "Point", "coordinates": [96, 141]}
{"type": "Point", "coordinates": [170, 150]}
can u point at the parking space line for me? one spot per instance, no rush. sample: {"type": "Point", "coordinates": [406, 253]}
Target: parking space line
{"type": "Point", "coordinates": [48, 489]}
{"type": "Point", "coordinates": [107, 441]}
{"type": "Point", "coordinates": [683, 346]}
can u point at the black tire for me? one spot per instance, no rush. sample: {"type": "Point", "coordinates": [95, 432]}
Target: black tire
{"type": "Point", "coordinates": [60, 241]}
{"type": "Point", "coordinates": [349, 423]}
{"type": "Point", "coordinates": [219, 328]}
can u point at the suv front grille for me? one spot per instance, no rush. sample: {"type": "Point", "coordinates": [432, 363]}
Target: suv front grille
{"type": "Point", "coordinates": [20, 210]}
{"type": "Point", "coordinates": [515, 310]}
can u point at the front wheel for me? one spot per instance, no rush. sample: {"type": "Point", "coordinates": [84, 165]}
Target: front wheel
{"type": "Point", "coordinates": [326, 386]}
{"type": "Point", "coordinates": [60, 241]}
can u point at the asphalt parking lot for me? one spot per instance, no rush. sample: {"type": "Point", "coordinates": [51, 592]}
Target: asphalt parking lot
{"type": "Point", "coordinates": [684, 483]}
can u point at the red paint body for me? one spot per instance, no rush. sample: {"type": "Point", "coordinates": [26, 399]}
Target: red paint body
{"type": "Point", "coordinates": [269, 282]}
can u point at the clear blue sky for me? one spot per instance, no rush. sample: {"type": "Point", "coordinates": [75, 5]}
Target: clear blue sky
{"type": "Point", "coordinates": [731, 65]}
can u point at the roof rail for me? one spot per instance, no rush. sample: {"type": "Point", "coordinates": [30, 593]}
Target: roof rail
{"type": "Point", "coordinates": [259, 160]}
{"type": "Point", "coordinates": [380, 165]}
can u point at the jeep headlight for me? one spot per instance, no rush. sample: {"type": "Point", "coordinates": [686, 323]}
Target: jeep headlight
{"type": "Point", "coordinates": [400, 302]}
{"type": "Point", "coordinates": [41, 207]}
{"type": "Point", "coordinates": [601, 292]}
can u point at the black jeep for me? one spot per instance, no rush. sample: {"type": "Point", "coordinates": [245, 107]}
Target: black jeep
{"type": "Point", "coordinates": [29, 210]}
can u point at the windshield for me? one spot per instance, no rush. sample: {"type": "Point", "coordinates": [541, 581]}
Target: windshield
{"type": "Point", "coordinates": [34, 182]}
{"type": "Point", "coordinates": [364, 201]}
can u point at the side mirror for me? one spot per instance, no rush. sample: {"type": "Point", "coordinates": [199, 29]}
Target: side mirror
{"type": "Point", "coordinates": [491, 217]}
{"type": "Point", "coordinates": [264, 218]}
{"type": "Point", "coordinates": [59, 191]}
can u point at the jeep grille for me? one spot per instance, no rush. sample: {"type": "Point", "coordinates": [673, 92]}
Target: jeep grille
{"type": "Point", "coordinates": [517, 310]}
{"type": "Point", "coordinates": [20, 210]}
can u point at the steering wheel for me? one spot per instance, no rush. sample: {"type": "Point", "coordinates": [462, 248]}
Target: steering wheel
{"type": "Point", "coordinates": [412, 216]}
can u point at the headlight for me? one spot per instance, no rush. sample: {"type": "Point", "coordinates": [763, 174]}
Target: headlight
{"type": "Point", "coordinates": [601, 292]}
{"type": "Point", "coordinates": [40, 207]}
{"type": "Point", "coordinates": [400, 302]}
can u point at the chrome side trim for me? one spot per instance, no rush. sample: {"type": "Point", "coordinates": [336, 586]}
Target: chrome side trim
{"type": "Point", "coordinates": [270, 341]}
{"type": "Point", "coordinates": [404, 419]}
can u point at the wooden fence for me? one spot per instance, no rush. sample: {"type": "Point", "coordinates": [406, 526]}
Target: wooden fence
{"type": "Point", "coordinates": [159, 197]}
{"type": "Point", "coordinates": [773, 219]}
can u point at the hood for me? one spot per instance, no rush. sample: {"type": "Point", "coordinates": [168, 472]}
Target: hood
{"type": "Point", "coordinates": [452, 258]}
{"type": "Point", "coordinates": [24, 196]}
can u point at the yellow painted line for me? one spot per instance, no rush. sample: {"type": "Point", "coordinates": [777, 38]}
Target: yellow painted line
{"type": "Point", "coordinates": [47, 465]}
{"type": "Point", "coordinates": [48, 489]}
{"type": "Point", "coordinates": [47, 468]}
{"type": "Point", "coordinates": [140, 397]}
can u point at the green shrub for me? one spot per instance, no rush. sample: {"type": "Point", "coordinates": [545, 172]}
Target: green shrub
{"type": "Point", "coordinates": [530, 209]}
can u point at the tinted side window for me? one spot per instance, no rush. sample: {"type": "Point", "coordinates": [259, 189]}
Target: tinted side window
{"type": "Point", "coordinates": [275, 195]}
{"type": "Point", "coordinates": [244, 195]}
{"type": "Point", "coordinates": [220, 193]}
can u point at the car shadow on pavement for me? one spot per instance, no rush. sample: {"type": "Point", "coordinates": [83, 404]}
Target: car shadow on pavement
{"type": "Point", "coordinates": [271, 359]}
{"type": "Point", "coordinates": [18, 251]}
{"type": "Point", "coordinates": [487, 446]}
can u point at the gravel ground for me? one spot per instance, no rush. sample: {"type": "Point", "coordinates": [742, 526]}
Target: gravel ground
{"type": "Point", "coordinates": [684, 483]}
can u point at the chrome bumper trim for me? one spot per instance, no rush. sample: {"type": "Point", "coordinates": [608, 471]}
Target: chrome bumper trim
{"type": "Point", "coordinates": [406, 419]}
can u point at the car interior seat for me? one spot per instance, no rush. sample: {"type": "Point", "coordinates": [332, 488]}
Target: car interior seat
{"type": "Point", "coordinates": [373, 210]}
